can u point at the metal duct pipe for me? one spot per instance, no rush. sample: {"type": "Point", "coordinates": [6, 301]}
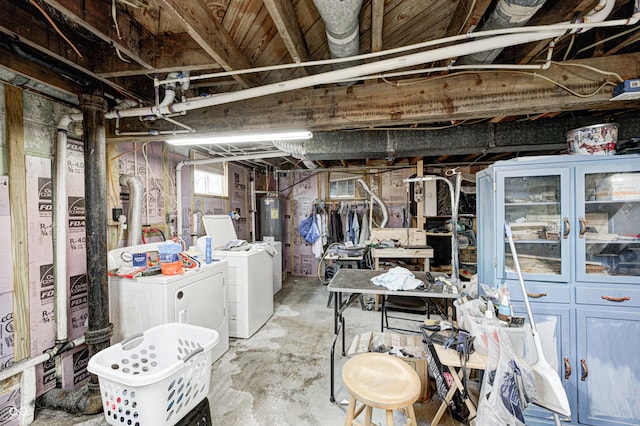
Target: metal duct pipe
{"type": "Point", "coordinates": [99, 330]}
{"type": "Point", "coordinates": [136, 193]}
{"type": "Point", "coordinates": [509, 39]}
{"type": "Point", "coordinates": [506, 14]}
{"type": "Point", "coordinates": [295, 149]}
{"type": "Point", "coordinates": [342, 27]}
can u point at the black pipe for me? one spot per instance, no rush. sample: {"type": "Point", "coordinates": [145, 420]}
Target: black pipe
{"type": "Point", "coordinates": [64, 72]}
{"type": "Point", "coordinates": [99, 330]}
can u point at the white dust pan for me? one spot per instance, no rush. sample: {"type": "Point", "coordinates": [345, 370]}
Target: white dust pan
{"type": "Point", "coordinates": [550, 393]}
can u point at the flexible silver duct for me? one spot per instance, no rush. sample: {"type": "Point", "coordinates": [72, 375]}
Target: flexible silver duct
{"type": "Point", "coordinates": [295, 149]}
{"type": "Point", "coordinates": [507, 14]}
{"type": "Point", "coordinates": [342, 27]}
{"type": "Point", "coordinates": [134, 231]}
{"type": "Point", "coordinates": [374, 197]}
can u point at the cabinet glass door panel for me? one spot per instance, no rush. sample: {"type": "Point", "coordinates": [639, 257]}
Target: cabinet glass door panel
{"type": "Point", "coordinates": [608, 212]}
{"type": "Point", "coordinates": [535, 208]}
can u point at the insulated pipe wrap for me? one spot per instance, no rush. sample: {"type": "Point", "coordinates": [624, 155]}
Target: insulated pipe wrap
{"type": "Point", "coordinates": [507, 14]}
{"type": "Point", "coordinates": [342, 27]}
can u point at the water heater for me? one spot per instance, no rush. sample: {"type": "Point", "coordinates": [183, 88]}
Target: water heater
{"type": "Point", "coordinates": [271, 218]}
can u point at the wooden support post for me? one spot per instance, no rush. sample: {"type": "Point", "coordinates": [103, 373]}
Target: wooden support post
{"type": "Point", "coordinates": [113, 194]}
{"type": "Point", "coordinates": [18, 201]}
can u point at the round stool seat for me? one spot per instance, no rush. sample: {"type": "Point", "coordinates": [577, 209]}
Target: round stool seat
{"type": "Point", "coordinates": [381, 381]}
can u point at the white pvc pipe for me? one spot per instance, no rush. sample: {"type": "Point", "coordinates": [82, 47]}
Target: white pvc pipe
{"type": "Point", "coordinates": [60, 249]}
{"type": "Point", "coordinates": [581, 25]}
{"type": "Point", "coordinates": [21, 366]}
{"type": "Point", "coordinates": [180, 165]}
{"type": "Point", "coordinates": [359, 70]}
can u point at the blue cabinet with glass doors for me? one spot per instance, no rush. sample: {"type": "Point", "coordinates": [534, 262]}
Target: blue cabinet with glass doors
{"type": "Point", "coordinates": [576, 226]}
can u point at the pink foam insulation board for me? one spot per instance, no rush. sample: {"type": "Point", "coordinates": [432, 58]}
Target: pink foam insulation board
{"type": "Point", "coordinates": [74, 368]}
{"type": "Point", "coordinates": [6, 278]}
{"type": "Point", "coordinates": [6, 330]}
{"type": "Point", "coordinates": [40, 241]}
{"type": "Point", "coordinates": [10, 399]}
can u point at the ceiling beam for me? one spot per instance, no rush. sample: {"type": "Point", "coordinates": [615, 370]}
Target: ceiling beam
{"type": "Point", "coordinates": [633, 38]}
{"type": "Point", "coordinates": [95, 17]}
{"type": "Point", "coordinates": [464, 20]}
{"type": "Point", "coordinates": [377, 19]}
{"type": "Point", "coordinates": [175, 52]}
{"type": "Point", "coordinates": [563, 12]}
{"type": "Point", "coordinates": [35, 72]}
{"type": "Point", "coordinates": [285, 20]}
{"type": "Point", "coordinates": [208, 32]}
{"type": "Point", "coordinates": [21, 25]}
{"type": "Point", "coordinates": [458, 97]}
{"type": "Point", "coordinates": [29, 37]}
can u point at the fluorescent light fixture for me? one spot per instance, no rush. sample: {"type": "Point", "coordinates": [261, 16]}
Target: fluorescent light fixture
{"type": "Point", "coordinates": [239, 137]}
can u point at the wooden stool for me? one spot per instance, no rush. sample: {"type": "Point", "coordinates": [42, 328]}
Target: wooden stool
{"type": "Point", "coordinates": [380, 381]}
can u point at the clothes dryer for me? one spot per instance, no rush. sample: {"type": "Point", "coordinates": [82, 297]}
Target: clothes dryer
{"type": "Point", "coordinates": [198, 297]}
{"type": "Point", "coordinates": [250, 290]}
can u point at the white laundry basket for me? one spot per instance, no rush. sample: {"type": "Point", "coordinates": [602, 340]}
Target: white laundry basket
{"type": "Point", "coordinates": [155, 378]}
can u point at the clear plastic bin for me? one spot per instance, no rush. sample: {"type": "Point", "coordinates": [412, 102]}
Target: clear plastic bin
{"type": "Point", "coordinates": [155, 378]}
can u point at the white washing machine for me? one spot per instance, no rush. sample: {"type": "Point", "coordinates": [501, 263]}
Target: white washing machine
{"type": "Point", "coordinates": [197, 297]}
{"type": "Point", "coordinates": [250, 289]}
{"type": "Point", "coordinates": [276, 260]}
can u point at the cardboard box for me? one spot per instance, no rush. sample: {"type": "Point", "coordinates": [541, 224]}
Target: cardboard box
{"type": "Point", "coordinates": [468, 254]}
{"type": "Point", "coordinates": [393, 343]}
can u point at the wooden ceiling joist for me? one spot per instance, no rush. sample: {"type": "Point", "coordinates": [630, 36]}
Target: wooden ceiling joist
{"type": "Point", "coordinates": [95, 17]}
{"type": "Point", "coordinates": [285, 20]}
{"type": "Point", "coordinates": [197, 21]}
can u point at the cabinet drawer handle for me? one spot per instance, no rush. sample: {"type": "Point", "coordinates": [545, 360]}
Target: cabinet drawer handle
{"type": "Point", "coordinates": [567, 368]}
{"type": "Point", "coordinates": [583, 226]}
{"type": "Point", "coordinates": [616, 299]}
{"type": "Point", "coordinates": [567, 227]}
{"type": "Point", "coordinates": [536, 295]}
{"type": "Point", "coordinates": [585, 370]}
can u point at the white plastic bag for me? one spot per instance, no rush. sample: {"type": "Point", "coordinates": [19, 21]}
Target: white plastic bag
{"type": "Point", "coordinates": [508, 384]}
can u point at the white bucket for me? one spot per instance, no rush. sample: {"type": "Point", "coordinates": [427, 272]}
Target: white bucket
{"type": "Point", "coordinates": [599, 139]}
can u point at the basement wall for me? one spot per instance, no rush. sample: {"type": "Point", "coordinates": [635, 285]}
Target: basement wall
{"type": "Point", "coordinates": [301, 189]}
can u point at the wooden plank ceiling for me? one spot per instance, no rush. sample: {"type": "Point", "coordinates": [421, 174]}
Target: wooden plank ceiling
{"type": "Point", "coordinates": [125, 44]}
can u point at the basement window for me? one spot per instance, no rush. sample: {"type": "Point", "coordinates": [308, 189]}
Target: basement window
{"type": "Point", "coordinates": [210, 179]}
{"type": "Point", "coordinates": [343, 185]}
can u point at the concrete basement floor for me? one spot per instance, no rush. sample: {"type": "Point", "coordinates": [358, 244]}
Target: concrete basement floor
{"type": "Point", "coordinates": [281, 375]}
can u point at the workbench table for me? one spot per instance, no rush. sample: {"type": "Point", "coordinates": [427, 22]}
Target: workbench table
{"type": "Point", "coordinates": [357, 282]}
{"type": "Point", "coordinates": [425, 254]}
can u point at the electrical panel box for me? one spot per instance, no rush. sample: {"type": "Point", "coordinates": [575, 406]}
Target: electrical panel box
{"type": "Point", "coordinates": [628, 89]}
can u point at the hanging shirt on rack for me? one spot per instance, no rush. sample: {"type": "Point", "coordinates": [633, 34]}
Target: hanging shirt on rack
{"type": "Point", "coordinates": [364, 230]}
{"type": "Point", "coordinates": [336, 227]}
{"type": "Point", "coordinates": [355, 227]}
{"type": "Point", "coordinates": [317, 246]}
